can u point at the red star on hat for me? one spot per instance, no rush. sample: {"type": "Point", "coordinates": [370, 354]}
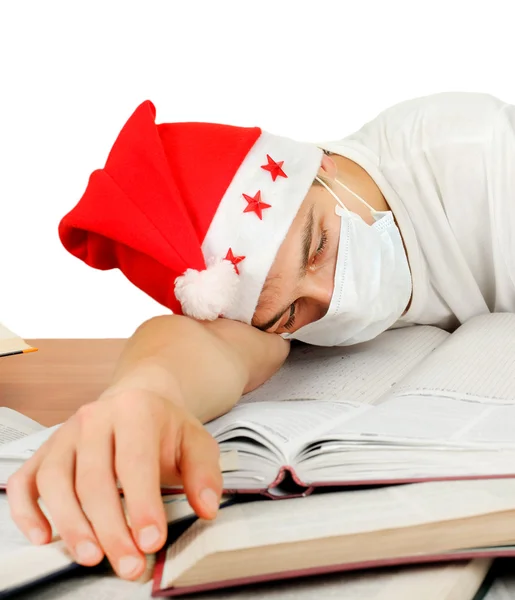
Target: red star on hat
{"type": "Point", "coordinates": [275, 168]}
{"type": "Point", "coordinates": [235, 260]}
{"type": "Point", "coordinates": [255, 204]}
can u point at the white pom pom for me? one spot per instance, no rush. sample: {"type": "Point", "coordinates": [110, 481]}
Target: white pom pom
{"type": "Point", "coordinates": [205, 295]}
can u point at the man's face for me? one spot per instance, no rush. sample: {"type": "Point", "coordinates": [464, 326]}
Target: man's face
{"type": "Point", "coordinates": [300, 283]}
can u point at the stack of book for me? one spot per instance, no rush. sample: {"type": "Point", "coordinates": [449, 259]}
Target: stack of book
{"type": "Point", "coordinates": [395, 454]}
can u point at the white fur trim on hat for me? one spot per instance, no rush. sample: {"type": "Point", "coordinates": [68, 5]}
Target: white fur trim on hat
{"type": "Point", "coordinates": [248, 236]}
{"type": "Point", "coordinates": [207, 294]}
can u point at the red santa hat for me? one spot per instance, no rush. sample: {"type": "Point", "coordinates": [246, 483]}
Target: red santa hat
{"type": "Point", "coordinates": [192, 213]}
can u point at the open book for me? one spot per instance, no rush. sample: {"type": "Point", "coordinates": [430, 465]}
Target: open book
{"type": "Point", "coordinates": [414, 404]}
{"type": "Point", "coordinates": [338, 531]}
{"type": "Point", "coordinates": [10, 343]}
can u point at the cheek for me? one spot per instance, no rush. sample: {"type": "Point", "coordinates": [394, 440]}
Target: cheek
{"type": "Point", "coordinates": [285, 268]}
{"type": "Point", "coordinates": [279, 287]}
{"type": "Point", "coordinates": [283, 281]}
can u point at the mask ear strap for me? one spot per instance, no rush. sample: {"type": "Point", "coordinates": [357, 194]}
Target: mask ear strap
{"type": "Point", "coordinates": [372, 210]}
{"type": "Point", "coordinates": [333, 194]}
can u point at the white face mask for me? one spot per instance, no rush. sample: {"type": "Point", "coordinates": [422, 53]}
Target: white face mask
{"type": "Point", "coordinates": [372, 282]}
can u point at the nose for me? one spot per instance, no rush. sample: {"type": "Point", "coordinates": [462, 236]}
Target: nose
{"type": "Point", "coordinates": [317, 287]}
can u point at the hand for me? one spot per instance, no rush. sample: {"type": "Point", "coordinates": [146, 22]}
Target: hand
{"type": "Point", "coordinates": [133, 436]}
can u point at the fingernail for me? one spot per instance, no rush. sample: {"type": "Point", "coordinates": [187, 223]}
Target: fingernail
{"type": "Point", "coordinates": [148, 537]}
{"type": "Point", "coordinates": [128, 565]}
{"type": "Point", "coordinates": [87, 552]}
{"type": "Point", "coordinates": [210, 500]}
{"type": "Point", "coordinates": [37, 536]}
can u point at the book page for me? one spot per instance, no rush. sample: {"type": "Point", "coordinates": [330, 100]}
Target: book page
{"type": "Point", "coordinates": [25, 446]}
{"type": "Point", "coordinates": [355, 374]}
{"type": "Point", "coordinates": [462, 394]}
{"type": "Point", "coordinates": [432, 420]}
{"type": "Point", "coordinates": [432, 582]}
{"type": "Point", "coordinates": [477, 362]}
{"type": "Point", "coordinates": [14, 453]}
{"type": "Point", "coordinates": [261, 523]}
{"type": "Point", "coordinates": [14, 425]}
{"type": "Point", "coordinates": [284, 426]}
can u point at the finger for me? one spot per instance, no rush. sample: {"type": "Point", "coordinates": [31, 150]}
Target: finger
{"type": "Point", "coordinates": [55, 483]}
{"type": "Point", "coordinates": [23, 495]}
{"type": "Point", "coordinates": [200, 470]}
{"type": "Point", "coordinates": [97, 491]}
{"type": "Point", "coordinates": [137, 467]}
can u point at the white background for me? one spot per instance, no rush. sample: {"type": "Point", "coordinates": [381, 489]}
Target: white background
{"type": "Point", "coordinates": [72, 72]}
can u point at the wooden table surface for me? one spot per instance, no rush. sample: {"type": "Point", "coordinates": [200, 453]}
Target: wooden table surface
{"type": "Point", "coordinates": [49, 385]}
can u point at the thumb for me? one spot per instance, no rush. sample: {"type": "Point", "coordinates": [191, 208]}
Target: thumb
{"type": "Point", "coordinates": [199, 466]}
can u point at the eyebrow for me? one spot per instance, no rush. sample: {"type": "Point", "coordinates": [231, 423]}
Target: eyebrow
{"type": "Point", "coordinates": [307, 238]}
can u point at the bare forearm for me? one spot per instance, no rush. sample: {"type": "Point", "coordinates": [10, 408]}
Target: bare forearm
{"type": "Point", "coordinates": [205, 366]}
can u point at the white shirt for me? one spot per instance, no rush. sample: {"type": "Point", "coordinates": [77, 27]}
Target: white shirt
{"type": "Point", "coordinates": [446, 166]}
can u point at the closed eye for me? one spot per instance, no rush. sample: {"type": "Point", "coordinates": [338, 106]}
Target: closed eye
{"type": "Point", "coordinates": [291, 320]}
{"type": "Point", "coordinates": [322, 244]}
